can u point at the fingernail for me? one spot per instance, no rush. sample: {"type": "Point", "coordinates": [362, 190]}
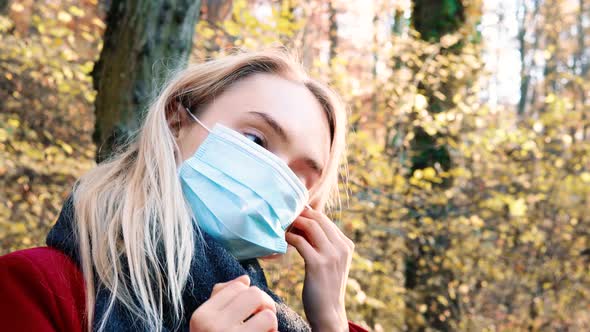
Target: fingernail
{"type": "Point", "coordinates": [307, 207]}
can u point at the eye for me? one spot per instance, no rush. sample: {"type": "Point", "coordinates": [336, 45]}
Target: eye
{"type": "Point", "coordinates": [256, 138]}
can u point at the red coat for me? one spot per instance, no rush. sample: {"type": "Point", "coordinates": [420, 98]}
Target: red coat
{"type": "Point", "coordinates": [42, 289]}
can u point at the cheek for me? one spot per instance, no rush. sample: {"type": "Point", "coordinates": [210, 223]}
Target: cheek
{"type": "Point", "coordinates": [305, 174]}
{"type": "Point", "coordinates": [302, 175]}
{"type": "Point", "coordinates": [314, 182]}
{"type": "Point", "coordinates": [189, 141]}
{"type": "Point", "coordinates": [303, 180]}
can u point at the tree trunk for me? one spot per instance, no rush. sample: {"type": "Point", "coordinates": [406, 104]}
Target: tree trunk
{"type": "Point", "coordinates": [579, 55]}
{"type": "Point", "coordinates": [398, 23]}
{"type": "Point", "coordinates": [217, 11]}
{"type": "Point", "coordinates": [332, 30]}
{"type": "Point", "coordinates": [552, 42]}
{"type": "Point", "coordinates": [4, 5]}
{"type": "Point", "coordinates": [375, 57]}
{"type": "Point", "coordinates": [143, 40]}
{"type": "Point", "coordinates": [428, 283]}
{"type": "Point", "coordinates": [525, 72]}
{"type": "Point", "coordinates": [434, 19]}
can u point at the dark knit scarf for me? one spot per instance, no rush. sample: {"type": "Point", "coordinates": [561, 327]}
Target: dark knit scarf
{"type": "Point", "coordinates": [210, 265]}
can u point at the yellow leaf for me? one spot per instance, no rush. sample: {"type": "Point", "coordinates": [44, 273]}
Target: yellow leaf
{"type": "Point", "coordinates": [13, 123]}
{"type": "Point", "coordinates": [429, 173]}
{"type": "Point", "coordinates": [232, 28]}
{"type": "Point", "coordinates": [98, 23]}
{"type": "Point", "coordinates": [76, 11]}
{"type": "Point", "coordinates": [19, 228]}
{"type": "Point", "coordinates": [463, 289]}
{"type": "Point", "coordinates": [442, 300]}
{"type": "Point", "coordinates": [207, 33]}
{"type": "Point", "coordinates": [420, 102]}
{"type": "Point", "coordinates": [66, 147]}
{"type": "Point", "coordinates": [517, 208]}
{"type": "Point", "coordinates": [64, 17]}
{"type": "Point", "coordinates": [3, 135]}
{"type": "Point", "coordinates": [17, 7]}
{"type": "Point", "coordinates": [418, 174]}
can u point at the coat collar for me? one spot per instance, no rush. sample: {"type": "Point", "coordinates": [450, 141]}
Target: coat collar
{"type": "Point", "coordinates": [211, 264]}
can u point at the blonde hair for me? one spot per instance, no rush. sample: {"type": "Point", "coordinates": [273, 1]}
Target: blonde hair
{"type": "Point", "coordinates": [130, 210]}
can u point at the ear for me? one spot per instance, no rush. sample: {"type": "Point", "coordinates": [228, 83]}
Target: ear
{"type": "Point", "coordinates": [176, 116]}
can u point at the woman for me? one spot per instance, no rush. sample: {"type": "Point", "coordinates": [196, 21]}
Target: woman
{"type": "Point", "coordinates": [236, 158]}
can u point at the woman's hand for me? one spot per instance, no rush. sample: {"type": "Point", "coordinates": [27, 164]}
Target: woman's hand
{"type": "Point", "coordinates": [235, 306]}
{"type": "Point", "coordinates": [327, 253]}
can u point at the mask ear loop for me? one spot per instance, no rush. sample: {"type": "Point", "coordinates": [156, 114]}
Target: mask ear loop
{"type": "Point", "coordinates": [197, 120]}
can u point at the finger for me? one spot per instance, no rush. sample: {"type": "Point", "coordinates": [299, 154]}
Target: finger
{"type": "Point", "coordinates": [313, 232]}
{"type": "Point", "coordinates": [219, 286]}
{"type": "Point", "coordinates": [227, 294]}
{"type": "Point", "coordinates": [250, 302]}
{"type": "Point", "coordinates": [303, 247]}
{"type": "Point", "coordinates": [265, 321]}
{"type": "Point", "coordinates": [330, 229]}
{"type": "Point", "coordinates": [334, 234]}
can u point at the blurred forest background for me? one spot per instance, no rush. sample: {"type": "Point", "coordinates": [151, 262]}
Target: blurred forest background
{"type": "Point", "coordinates": [468, 159]}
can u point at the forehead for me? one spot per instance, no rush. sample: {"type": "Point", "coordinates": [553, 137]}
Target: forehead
{"type": "Point", "coordinates": [290, 103]}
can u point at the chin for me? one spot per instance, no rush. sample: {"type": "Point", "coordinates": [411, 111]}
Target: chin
{"type": "Point", "coordinates": [272, 257]}
{"type": "Point", "coordinates": [275, 257]}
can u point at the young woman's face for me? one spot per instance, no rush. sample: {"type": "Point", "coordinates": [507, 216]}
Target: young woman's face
{"type": "Point", "coordinates": [282, 116]}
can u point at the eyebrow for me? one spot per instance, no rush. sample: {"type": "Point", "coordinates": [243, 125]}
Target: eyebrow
{"type": "Point", "coordinates": [271, 122]}
{"type": "Point", "coordinates": [276, 127]}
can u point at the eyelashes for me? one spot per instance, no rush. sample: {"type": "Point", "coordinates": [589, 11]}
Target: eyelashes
{"type": "Point", "coordinates": [256, 138]}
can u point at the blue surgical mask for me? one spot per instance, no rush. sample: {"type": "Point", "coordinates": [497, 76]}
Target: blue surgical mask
{"type": "Point", "coordinates": [241, 194]}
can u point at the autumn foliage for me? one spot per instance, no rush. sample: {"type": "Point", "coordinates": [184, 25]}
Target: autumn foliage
{"type": "Point", "coordinates": [494, 239]}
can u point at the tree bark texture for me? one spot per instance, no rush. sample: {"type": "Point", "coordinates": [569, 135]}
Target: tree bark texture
{"type": "Point", "coordinates": [143, 41]}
